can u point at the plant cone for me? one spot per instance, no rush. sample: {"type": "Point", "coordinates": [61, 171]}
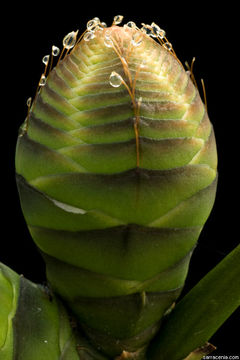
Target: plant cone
{"type": "Point", "coordinates": [117, 175]}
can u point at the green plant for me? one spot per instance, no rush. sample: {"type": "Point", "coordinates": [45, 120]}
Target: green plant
{"type": "Point", "coordinates": [117, 169]}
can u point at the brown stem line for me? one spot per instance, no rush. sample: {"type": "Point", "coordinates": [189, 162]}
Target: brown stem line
{"type": "Point", "coordinates": [131, 90]}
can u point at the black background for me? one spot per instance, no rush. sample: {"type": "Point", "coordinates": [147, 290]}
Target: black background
{"type": "Point", "coordinates": [195, 29]}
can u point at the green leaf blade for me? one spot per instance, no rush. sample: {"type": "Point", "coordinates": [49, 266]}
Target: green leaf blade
{"type": "Point", "coordinates": [201, 312]}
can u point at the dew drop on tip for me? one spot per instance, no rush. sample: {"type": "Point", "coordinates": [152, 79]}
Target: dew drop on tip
{"type": "Point", "coordinates": [131, 25]}
{"type": "Point", "coordinates": [115, 79]}
{"type": "Point", "coordinates": [155, 29]}
{"type": "Point", "coordinates": [43, 80]}
{"type": "Point", "coordinates": [91, 24]}
{"type": "Point", "coordinates": [162, 34]}
{"type": "Point", "coordinates": [146, 29]}
{"type": "Point", "coordinates": [70, 40]}
{"type": "Point", "coordinates": [55, 50]}
{"type": "Point", "coordinates": [108, 41]}
{"type": "Point", "coordinates": [45, 59]}
{"type": "Point", "coordinates": [167, 46]}
{"type": "Point", "coordinates": [108, 34]}
{"type": "Point", "coordinates": [29, 102]}
{"type": "Point", "coordinates": [89, 36]}
{"type": "Point", "coordinates": [117, 19]}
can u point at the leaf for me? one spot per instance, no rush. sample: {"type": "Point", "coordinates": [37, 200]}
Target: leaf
{"type": "Point", "coordinates": [201, 312]}
{"type": "Point", "coordinates": [35, 325]}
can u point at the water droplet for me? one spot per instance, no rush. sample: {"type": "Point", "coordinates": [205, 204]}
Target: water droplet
{"type": "Point", "coordinates": [137, 39]}
{"type": "Point", "coordinates": [29, 102]}
{"type": "Point", "coordinates": [92, 24]}
{"type": "Point", "coordinates": [146, 29]}
{"type": "Point", "coordinates": [131, 25]}
{"type": "Point", "coordinates": [115, 79]}
{"type": "Point", "coordinates": [70, 40]}
{"type": "Point", "coordinates": [162, 34]}
{"type": "Point", "coordinates": [55, 50]}
{"type": "Point", "coordinates": [89, 36]}
{"type": "Point", "coordinates": [45, 341]}
{"type": "Point", "coordinates": [97, 20]}
{"type": "Point", "coordinates": [108, 41]}
{"type": "Point", "coordinates": [45, 59]}
{"type": "Point", "coordinates": [168, 46]}
{"type": "Point", "coordinates": [42, 80]}
{"type": "Point", "coordinates": [155, 30]}
{"type": "Point", "coordinates": [108, 33]}
{"type": "Point", "coordinates": [117, 19]}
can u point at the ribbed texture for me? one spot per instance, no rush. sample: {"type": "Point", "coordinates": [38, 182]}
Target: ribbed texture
{"type": "Point", "coordinates": [117, 237]}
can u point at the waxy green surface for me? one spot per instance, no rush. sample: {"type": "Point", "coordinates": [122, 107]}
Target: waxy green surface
{"type": "Point", "coordinates": [117, 238]}
{"type": "Point", "coordinates": [33, 324]}
{"type": "Point", "coordinates": [9, 292]}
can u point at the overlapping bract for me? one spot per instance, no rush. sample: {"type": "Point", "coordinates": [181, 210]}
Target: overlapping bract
{"type": "Point", "coordinates": [117, 238]}
{"type": "Point", "coordinates": [32, 324]}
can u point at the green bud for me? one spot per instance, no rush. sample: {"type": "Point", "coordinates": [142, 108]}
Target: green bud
{"type": "Point", "coordinates": [117, 174]}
